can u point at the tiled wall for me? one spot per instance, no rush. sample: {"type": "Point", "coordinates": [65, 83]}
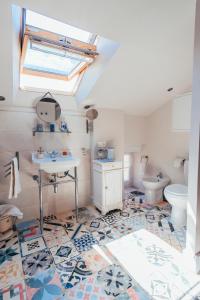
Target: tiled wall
{"type": "Point", "coordinates": [16, 135]}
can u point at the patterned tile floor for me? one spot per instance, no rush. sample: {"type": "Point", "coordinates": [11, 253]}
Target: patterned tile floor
{"type": "Point", "coordinates": [71, 260]}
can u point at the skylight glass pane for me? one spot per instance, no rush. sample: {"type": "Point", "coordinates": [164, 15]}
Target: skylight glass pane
{"type": "Point", "coordinates": [49, 24]}
{"type": "Point", "coordinates": [49, 63]}
{"type": "Point", "coordinates": [60, 52]}
{"type": "Point", "coordinates": [41, 84]}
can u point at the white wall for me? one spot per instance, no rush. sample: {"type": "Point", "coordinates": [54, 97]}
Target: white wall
{"type": "Point", "coordinates": [134, 133]}
{"type": "Point", "coordinates": [109, 127]}
{"type": "Point", "coordinates": [163, 145]}
{"type": "Point", "coordinates": [134, 142]}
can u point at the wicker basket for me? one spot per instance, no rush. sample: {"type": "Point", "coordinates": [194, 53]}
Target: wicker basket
{"type": "Point", "coordinates": [6, 223]}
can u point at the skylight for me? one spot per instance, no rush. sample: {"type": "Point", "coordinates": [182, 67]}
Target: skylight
{"type": "Point", "coordinates": [54, 55]}
{"type": "Point", "coordinates": [35, 19]}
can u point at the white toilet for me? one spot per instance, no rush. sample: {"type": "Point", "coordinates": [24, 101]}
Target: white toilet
{"type": "Point", "coordinates": [177, 195]}
{"type": "Point", "coordinates": [154, 188]}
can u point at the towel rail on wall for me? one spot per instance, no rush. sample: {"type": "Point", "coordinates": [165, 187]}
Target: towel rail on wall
{"type": "Point", "coordinates": [7, 171]}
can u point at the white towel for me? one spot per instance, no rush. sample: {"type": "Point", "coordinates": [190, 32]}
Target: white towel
{"type": "Point", "coordinates": [15, 186]}
{"type": "Point", "coordinates": [10, 210]}
{"type": "Point", "coordinates": [11, 189]}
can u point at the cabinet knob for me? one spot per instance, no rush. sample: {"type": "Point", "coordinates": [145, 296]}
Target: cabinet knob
{"type": "Point", "coordinates": [106, 187]}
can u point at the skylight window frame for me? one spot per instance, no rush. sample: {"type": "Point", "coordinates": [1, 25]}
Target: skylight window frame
{"type": "Point", "coordinates": [70, 45]}
{"type": "Point", "coordinates": [55, 41]}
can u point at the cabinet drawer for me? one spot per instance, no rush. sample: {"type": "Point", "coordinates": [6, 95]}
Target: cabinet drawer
{"type": "Point", "coordinates": [106, 166]}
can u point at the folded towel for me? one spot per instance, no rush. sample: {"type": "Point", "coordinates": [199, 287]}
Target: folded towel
{"type": "Point", "coordinates": [10, 210]}
{"type": "Point", "coordinates": [15, 186]}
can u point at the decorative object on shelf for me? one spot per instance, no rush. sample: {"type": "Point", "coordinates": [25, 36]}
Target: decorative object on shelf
{"type": "Point", "coordinates": [64, 127]}
{"type": "Point", "coordinates": [101, 150]}
{"type": "Point", "coordinates": [52, 127]}
{"type": "Point", "coordinates": [65, 152]}
{"type": "Point", "coordinates": [39, 127]}
{"type": "Point", "coordinates": [110, 153]}
{"type": "Point", "coordinates": [40, 153]}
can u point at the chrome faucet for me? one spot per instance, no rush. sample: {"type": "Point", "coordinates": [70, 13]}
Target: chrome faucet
{"type": "Point", "coordinates": [160, 175]}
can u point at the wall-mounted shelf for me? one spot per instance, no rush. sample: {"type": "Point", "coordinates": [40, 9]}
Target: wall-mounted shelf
{"type": "Point", "coordinates": [48, 131]}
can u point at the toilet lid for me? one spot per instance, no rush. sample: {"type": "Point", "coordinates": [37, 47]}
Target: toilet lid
{"type": "Point", "coordinates": [177, 189]}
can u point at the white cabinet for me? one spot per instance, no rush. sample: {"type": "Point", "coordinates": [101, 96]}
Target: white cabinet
{"type": "Point", "coordinates": [181, 113]}
{"type": "Point", "coordinates": [107, 185]}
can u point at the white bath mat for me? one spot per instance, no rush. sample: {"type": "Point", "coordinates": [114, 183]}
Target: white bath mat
{"type": "Point", "coordinates": [155, 265]}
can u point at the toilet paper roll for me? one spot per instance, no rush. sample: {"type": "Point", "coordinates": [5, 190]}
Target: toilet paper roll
{"type": "Point", "coordinates": [178, 162]}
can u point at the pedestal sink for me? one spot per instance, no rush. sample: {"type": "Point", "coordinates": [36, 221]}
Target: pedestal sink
{"type": "Point", "coordinates": [56, 164]}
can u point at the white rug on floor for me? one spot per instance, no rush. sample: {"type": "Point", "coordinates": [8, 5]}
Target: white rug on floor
{"type": "Point", "coordinates": [154, 264]}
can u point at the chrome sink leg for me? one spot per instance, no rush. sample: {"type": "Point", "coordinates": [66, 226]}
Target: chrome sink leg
{"type": "Point", "coordinates": [76, 192]}
{"type": "Point", "coordinates": [41, 201]}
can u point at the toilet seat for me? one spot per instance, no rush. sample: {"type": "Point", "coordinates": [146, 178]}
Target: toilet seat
{"type": "Point", "coordinates": [177, 189]}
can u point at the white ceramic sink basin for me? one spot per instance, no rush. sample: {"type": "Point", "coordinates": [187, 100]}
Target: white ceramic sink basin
{"type": "Point", "coordinates": [57, 164]}
{"type": "Point", "coordinates": [155, 183]}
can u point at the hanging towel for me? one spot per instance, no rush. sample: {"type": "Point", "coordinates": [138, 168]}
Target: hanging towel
{"type": "Point", "coordinates": [15, 186]}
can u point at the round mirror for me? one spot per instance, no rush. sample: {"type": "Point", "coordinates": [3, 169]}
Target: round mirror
{"type": "Point", "coordinates": [48, 110]}
{"type": "Point", "coordinates": [91, 114]}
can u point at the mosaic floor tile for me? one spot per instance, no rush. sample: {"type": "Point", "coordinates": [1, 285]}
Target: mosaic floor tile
{"type": "Point", "coordinates": [95, 261]}
{"type": "Point", "coordinates": [111, 218]}
{"type": "Point", "coordinates": [65, 270]}
{"type": "Point", "coordinates": [114, 280]}
{"type": "Point", "coordinates": [45, 286]}
{"type": "Point", "coordinates": [63, 252]}
{"type": "Point", "coordinates": [89, 289]}
{"type": "Point", "coordinates": [105, 235]}
{"type": "Point", "coordinates": [37, 262]}
{"type": "Point", "coordinates": [96, 224]}
{"type": "Point", "coordinates": [53, 228]}
{"type": "Point", "coordinates": [11, 241]}
{"type": "Point", "coordinates": [80, 273]}
{"type": "Point", "coordinates": [130, 224]}
{"type": "Point", "coordinates": [75, 230]}
{"type": "Point", "coordinates": [14, 292]}
{"type": "Point", "coordinates": [9, 254]}
{"type": "Point", "coordinates": [133, 200]}
{"type": "Point", "coordinates": [53, 239]}
{"type": "Point", "coordinates": [85, 214]}
{"type": "Point", "coordinates": [135, 293]}
{"type": "Point", "coordinates": [32, 246]}
{"type": "Point", "coordinates": [49, 218]}
{"type": "Point", "coordinates": [85, 242]}
{"type": "Point", "coordinates": [10, 273]}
